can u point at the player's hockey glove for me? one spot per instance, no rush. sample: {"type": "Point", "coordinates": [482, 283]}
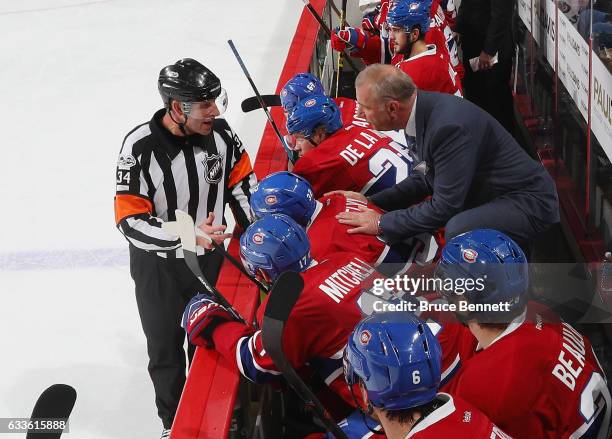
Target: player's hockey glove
{"type": "Point", "coordinates": [369, 24]}
{"type": "Point", "coordinates": [202, 315]}
{"type": "Point", "coordinates": [352, 39]}
{"type": "Point", "coordinates": [354, 426]}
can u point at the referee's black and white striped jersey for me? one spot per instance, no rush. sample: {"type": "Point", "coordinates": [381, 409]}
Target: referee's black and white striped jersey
{"type": "Point", "coordinates": [158, 172]}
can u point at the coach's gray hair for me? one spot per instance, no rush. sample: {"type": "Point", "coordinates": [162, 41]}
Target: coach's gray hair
{"type": "Point", "coordinates": [386, 82]}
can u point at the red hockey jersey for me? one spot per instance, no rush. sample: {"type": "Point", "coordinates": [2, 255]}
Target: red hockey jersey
{"type": "Point", "coordinates": [379, 48]}
{"type": "Point", "coordinates": [355, 159]}
{"type": "Point", "coordinates": [450, 11]}
{"type": "Point", "coordinates": [317, 329]}
{"type": "Point", "coordinates": [349, 112]}
{"type": "Point", "coordinates": [327, 235]}
{"type": "Point", "coordinates": [442, 26]}
{"type": "Point", "coordinates": [457, 342]}
{"type": "Point", "coordinates": [539, 379]}
{"type": "Point", "coordinates": [430, 71]}
{"type": "Point", "coordinates": [456, 419]}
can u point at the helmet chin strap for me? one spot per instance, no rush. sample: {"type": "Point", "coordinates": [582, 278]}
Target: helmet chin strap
{"type": "Point", "coordinates": [180, 125]}
{"type": "Point", "coordinates": [370, 410]}
{"type": "Point", "coordinates": [312, 142]}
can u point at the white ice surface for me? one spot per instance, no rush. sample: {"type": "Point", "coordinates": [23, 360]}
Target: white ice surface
{"type": "Point", "coordinates": [75, 77]}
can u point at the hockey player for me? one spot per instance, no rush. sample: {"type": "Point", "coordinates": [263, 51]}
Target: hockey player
{"type": "Point", "coordinates": [320, 322]}
{"type": "Point", "coordinates": [425, 64]}
{"type": "Point", "coordinates": [350, 158]}
{"type": "Point", "coordinates": [373, 45]}
{"type": "Point", "coordinates": [449, 10]}
{"type": "Point", "coordinates": [303, 85]}
{"type": "Point", "coordinates": [395, 360]}
{"type": "Point", "coordinates": [534, 375]}
{"type": "Point", "coordinates": [442, 15]}
{"type": "Point", "coordinates": [297, 88]}
{"type": "Point", "coordinates": [290, 194]}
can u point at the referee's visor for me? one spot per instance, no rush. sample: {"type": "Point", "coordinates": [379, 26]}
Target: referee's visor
{"type": "Point", "coordinates": [209, 108]}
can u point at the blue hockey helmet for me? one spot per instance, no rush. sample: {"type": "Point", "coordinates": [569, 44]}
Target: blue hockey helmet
{"type": "Point", "coordinates": [286, 193]}
{"type": "Point", "coordinates": [486, 267]}
{"type": "Point", "coordinates": [409, 13]}
{"type": "Point", "coordinates": [397, 358]}
{"type": "Point", "coordinates": [299, 87]}
{"type": "Point", "coordinates": [275, 244]}
{"type": "Point", "coordinates": [312, 112]}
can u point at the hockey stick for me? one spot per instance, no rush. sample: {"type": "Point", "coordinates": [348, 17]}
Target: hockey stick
{"type": "Point", "coordinates": [55, 403]}
{"type": "Point", "coordinates": [285, 293]}
{"type": "Point", "coordinates": [252, 103]}
{"type": "Point", "coordinates": [326, 29]}
{"type": "Point", "coordinates": [337, 12]}
{"type": "Point", "coordinates": [290, 153]}
{"type": "Point", "coordinates": [233, 260]}
{"type": "Point", "coordinates": [341, 54]}
{"type": "Point", "coordinates": [185, 228]}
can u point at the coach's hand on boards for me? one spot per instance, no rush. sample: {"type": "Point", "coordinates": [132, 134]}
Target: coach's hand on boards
{"type": "Point", "coordinates": [215, 232]}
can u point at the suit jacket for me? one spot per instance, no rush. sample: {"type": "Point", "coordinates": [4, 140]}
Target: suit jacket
{"type": "Point", "coordinates": [470, 160]}
{"type": "Point", "coordinates": [486, 25]}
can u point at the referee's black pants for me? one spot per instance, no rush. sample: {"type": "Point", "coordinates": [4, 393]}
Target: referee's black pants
{"type": "Point", "coordinates": [163, 289]}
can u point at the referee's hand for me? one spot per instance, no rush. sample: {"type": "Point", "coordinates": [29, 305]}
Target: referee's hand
{"type": "Point", "coordinates": [214, 232]}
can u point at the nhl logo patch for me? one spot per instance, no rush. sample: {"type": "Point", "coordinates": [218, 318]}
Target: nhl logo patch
{"type": "Point", "coordinates": [364, 337]}
{"type": "Point", "coordinates": [213, 167]}
{"type": "Point", "coordinates": [258, 238]}
{"type": "Point", "coordinates": [310, 103]}
{"type": "Point", "coordinates": [469, 255]}
{"type": "Point", "coordinates": [271, 199]}
{"type": "Point", "coordinates": [126, 161]}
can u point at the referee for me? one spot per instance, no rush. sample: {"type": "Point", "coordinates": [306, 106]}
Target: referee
{"type": "Point", "coordinates": [183, 158]}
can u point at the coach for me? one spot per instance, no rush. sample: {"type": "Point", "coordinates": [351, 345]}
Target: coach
{"type": "Point", "coordinates": [476, 174]}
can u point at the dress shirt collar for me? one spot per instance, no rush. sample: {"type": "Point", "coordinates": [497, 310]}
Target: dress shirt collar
{"type": "Point", "coordinates": [411, 125]}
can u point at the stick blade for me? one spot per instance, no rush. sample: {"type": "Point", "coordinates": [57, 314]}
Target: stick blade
{"type": "Point", "coordinates": [186, 230]}
{"type": "Point", "coordinates": [252, 103]}
{"type": "Point", "coordinates": [284, 294]}
{"type": "Point", "coordinates": [57, 401]}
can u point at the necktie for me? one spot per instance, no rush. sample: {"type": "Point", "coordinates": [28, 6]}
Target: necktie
{"type": "Point", "coordinates": [411, 144]}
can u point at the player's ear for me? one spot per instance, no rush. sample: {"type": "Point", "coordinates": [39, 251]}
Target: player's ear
{"type": "Point", "coordinates": [176, 111]}
{"type": "Point", "coordinates": [319, 135]}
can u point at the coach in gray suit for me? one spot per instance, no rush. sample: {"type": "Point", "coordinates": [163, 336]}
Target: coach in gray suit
{"type": "Point", "coordinates": [474, 171]}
